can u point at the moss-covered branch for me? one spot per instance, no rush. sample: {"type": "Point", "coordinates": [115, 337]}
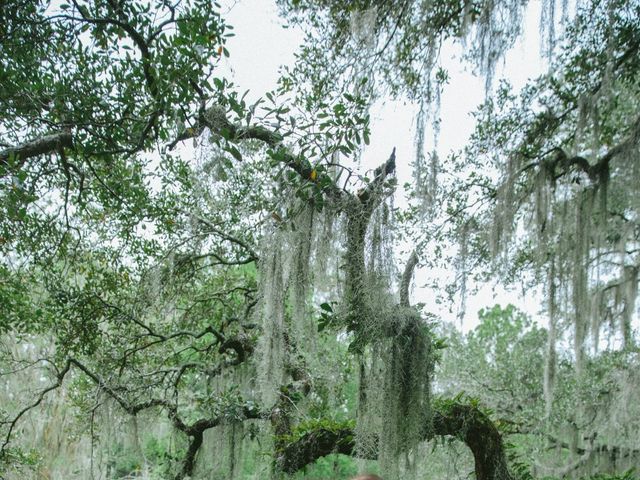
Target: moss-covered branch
{"type": "Point", "coordinates": [314, 444]}
{"type": "Point", "coordinates": [450, 418]}
{"type": "Point", "coordinates": [358, 209]}
{"type": "Point", "coordinates": [477, 431]}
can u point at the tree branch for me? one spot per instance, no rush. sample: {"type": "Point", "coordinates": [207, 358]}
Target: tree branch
{"type": "Point", "coordinates": [15, 156]}
{"type": "Point", "coordinates": [380, 175]}
{"type": "Point", "coordinates": [194, 430]}
{"type": "Point", "coordinates": [464, 422]}
{"type": "Point", "coordinates": [215, 119]}
{"type": "Point", "coordinates": [406, 279]}
{"type": "Point", "coordinates": [14, 421]}
{"type": "Point", "coordinates": [212, 228]}
{"type": "Point", "coordinates": [137, 38]}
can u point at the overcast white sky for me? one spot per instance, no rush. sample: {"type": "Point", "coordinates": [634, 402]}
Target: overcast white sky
{"type": "Point", "coordinates": [261, 45]}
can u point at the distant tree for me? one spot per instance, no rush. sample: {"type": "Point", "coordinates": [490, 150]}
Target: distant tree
{"type": "Point", "coordinates": [501, 363]}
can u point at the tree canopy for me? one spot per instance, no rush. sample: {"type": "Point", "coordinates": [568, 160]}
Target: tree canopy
{"type": "Point", "coordinates": [195, 285]}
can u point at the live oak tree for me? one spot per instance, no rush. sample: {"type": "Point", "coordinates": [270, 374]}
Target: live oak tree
{"type": "Point", "coordinates": [141, 281]}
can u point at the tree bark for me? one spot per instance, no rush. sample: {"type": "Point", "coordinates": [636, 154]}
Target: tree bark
{"type": "Point", "coordinates": [16, 156]}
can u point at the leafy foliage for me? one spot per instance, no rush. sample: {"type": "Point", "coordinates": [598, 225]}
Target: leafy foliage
{"type": "Point", "coordinates": [162, 296]}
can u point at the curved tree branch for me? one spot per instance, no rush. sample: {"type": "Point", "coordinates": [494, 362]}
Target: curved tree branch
{"type": "Point", "coordinates": [450, 418]}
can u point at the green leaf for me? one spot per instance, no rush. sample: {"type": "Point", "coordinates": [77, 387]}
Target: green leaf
{"type": "Point", "coordinates": [326, 307]}
{"type": "Point", "coordinates": [235, 152]}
